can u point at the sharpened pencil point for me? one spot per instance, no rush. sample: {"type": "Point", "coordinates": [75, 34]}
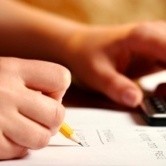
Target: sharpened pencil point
{"type": "Point", "coordinates": [80, 143]}
{"type": "Point", "coordinates": [69, 133]}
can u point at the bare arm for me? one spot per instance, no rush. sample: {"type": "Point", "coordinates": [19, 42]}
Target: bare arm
{"type": "Point", "coordinates": [98, 56]}
{"type": "Point", "coordinates": [28, 32]}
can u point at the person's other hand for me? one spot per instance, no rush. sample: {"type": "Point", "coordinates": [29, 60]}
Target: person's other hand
{"type": "Point", "coordinates": [100, 56]}
{"type": "Point", "coordinates": [31, 111]}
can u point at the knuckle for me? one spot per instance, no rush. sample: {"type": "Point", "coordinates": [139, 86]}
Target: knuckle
{"type": "Point", "coordinates": [42, 139]}
{"type": "Point", "coordinates": [148, 31]}
{"type": "Point", "coordinates": [59, 115]}
{"type": "Point", "coordinates": [64, 77]}
{"type": "Point", "coordinates": [56, 117]}
{"type": "Point", "coordinates": [147, 27]}
{"type": "Point", "coordinates": [52, 115]}
{"type": "Point", "coordinates": [9, 64]}
{"type": "Point", "coordinates": [141, 28]}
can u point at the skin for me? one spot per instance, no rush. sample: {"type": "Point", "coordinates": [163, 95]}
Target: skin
{"type": "Point", "coordinates": [31, 92]}
{"type": "Point", "coordinates": [99, 57]}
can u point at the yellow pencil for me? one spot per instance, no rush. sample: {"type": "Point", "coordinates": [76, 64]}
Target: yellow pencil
{"type": "Point", "coordinates": [69, 133]}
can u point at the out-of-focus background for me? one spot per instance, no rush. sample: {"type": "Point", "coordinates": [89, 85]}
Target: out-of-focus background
{"type": "Point", "coordinates": [105, 11]}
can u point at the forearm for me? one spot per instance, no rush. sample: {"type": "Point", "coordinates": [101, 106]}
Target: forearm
{"type": "Point", "coordinates": [30, 33]}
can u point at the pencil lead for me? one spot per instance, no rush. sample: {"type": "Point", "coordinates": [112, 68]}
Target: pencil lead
{"type": "Point", "coordinates": [80, 143]}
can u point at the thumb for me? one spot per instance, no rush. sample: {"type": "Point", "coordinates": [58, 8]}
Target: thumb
{"type": "Point", "coordinates": [121, 89]}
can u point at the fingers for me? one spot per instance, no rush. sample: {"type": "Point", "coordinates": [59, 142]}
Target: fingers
{"type": "Point", "coordinates": [42, 109]}
{"type": "Point", "coordinates": [47, 77]}
{"type": "Point", "coordinates": [30, 112]}
{"type": "Point", "coordinates": [10, 150]}
{"type": "Point", "coordinates": [116, 86]}
{"type": "Point", "coordinates": [32, 124]}
{"type": "Point", "coordinates": [26, 128]}
{"type": "Point", "coordinates": [26, 132]}
{"type": "Point", "coordinates": [123, 90]}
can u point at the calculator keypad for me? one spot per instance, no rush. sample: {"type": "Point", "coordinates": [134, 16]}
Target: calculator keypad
{"type": "Point", "coordinates": [158, 104]}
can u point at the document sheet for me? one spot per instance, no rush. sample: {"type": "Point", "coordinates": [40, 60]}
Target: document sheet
{"type": "Point", "coordinates": [110, 138]}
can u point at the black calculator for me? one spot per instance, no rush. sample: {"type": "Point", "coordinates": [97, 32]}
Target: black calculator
{"type": "Point", "coordinates": [154, 110]}
{"type": "Point", "coordinates": [153, 107]}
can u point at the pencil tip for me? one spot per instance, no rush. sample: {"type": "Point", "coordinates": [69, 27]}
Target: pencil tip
{"type": "Point", "coordinates": [80, 143]}
{"type": "Point", "coordinates": [74, 138]}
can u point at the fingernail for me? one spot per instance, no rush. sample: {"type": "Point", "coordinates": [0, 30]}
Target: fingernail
{"type": "Point", "coordinates": [130, 97]}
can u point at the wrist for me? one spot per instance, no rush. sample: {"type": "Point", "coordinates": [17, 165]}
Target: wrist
{"type": "Point", "coordinates": [68, 43]}
{"type": "Point", "coordinates": [46, 36]}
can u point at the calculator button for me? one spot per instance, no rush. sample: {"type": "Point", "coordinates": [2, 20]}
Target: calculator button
{"type": "Point", "coordinates": [158, 104]}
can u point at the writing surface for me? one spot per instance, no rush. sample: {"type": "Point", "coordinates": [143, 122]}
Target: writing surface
{"type": "Point", "coordinates": [110, 138]}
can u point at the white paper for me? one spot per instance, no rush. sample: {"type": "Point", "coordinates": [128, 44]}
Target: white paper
{"type": "Point", "coordinates": [111, 138]}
